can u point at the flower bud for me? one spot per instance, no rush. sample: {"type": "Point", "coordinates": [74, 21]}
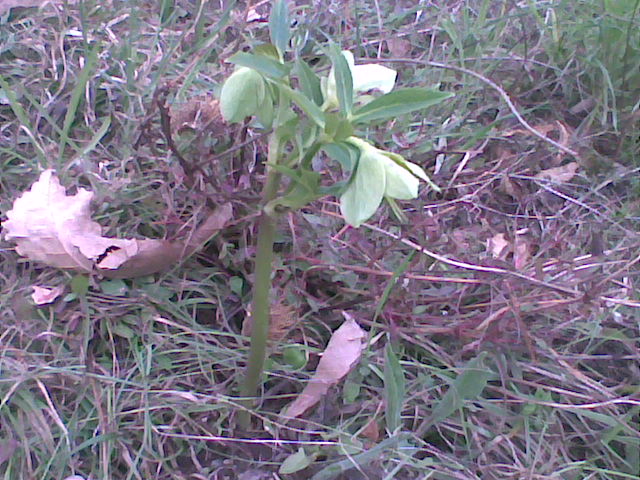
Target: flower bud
{"type": "Point", "coordinates": [242, 94]}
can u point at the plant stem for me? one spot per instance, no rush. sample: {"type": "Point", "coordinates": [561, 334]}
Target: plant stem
{"type": "Point", "coordinates": [261, 305]}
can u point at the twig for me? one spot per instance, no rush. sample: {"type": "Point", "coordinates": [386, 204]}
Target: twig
{"type": "Point", "coordinates": [234, 148]}
{"type": "Point", "coordinates": [165, 123]}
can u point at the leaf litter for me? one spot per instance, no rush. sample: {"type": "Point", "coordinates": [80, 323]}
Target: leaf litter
{"type": "Point", "coordinates": [44, 295]}
{"type": "Point", "coordinates": [56, 229]}
{"type": "Point", "coordinates": [342, 353]}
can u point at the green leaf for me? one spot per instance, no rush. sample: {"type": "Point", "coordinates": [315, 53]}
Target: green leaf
{"type": "Point", "coordinates": [467, 386]}
{"type": "Point", "coordinates": [343, 153]}
{"type": "Point", "coordinates": [398, 103]}
{"type": "Point", "coordinates": [335, 190]}
{"type": "Point", "coordinates": [167, 9]}
{"type": "Point", "coordinates": [295, 462]}
{"type": "Point", "coordinates": [394, 389]}
{"type": "Point", "coordinates": [80, 285]}
{"type": "Point", "coordinates": [279, 25]}
{"type": "Point", "coordinates": [123, 331]}
{"type": "Point", "coordinates": [344, 81]}
{"type": "Point", "coordinates": [397, 442]}
{"type": "Point", "coordinates": [309, 81]}
{"type": "Point", "coordinates": [268, 50]}
{"type": "Point", "coordinates": [265, 65]}
{"type": "Point", "coordinates": [364, 194]}
{"type": "Point", "coordinates": [117, 288]}
{"type": "Point", "coordinates": [337, 127]}
{"type": "Point", "coordinates": [303, 190]}
{"type": "Point", "coordinates": [310, 108]}
{"type": "Point", "coordinates": [236, 284]}
{"type": "Point", "coordinates": [295, 356]}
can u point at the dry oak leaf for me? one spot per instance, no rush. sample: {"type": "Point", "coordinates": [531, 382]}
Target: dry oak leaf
{"type": "Point", "coordinates": [342, 353]}
{"type": "Point", "coordinates": [561, 174]}
{"type": "Point", "coordinates": [499, 246]}
{"type": "Point", "coordinates": [54, 228]}
{"type": "Point", "coordinates": [44, 295]}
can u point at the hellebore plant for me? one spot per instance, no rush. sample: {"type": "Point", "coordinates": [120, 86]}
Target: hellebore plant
{"type": "Point", "coordinates": [308, 114]}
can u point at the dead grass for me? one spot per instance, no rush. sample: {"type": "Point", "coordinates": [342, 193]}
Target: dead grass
{"type": "Point", "coordinates": [136, 379]}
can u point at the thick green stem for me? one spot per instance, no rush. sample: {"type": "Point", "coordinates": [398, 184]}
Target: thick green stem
{"type": "Point", "coordinates": [261, 304]}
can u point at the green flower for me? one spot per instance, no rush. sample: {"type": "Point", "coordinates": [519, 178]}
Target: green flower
{"type": "Point", "coordinates": [369, 76]}
{"type": "Point", "coordinates": [242, 95]}
{"type": "Point", "coordinates": [378, 174]}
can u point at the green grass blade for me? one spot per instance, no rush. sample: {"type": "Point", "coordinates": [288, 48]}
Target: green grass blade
{"type": "Point", "coordinates": [467, 386]}
{"type": "Point", "coordinates": [394, 389]}
{"type": "Point", "coordinates": [23, 118]}
{"type": "Point", "coordinates": [76, 95]}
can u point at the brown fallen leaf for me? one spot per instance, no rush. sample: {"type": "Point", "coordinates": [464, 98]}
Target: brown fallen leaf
{"type": "Point", "coordinates": [398, 47]}
{"type": "Point", "coordinates": [561, 174]}
{"type": "Point", "coordinates": [371, 431]}
{"type": "Point", "coordinates": [54, 228]}
{"type": "Point", "coordinates": [44, 296]}
{"type": "Point", "coordinates": [498, 245]}
{"type": "Point", "coordinates": [342, 353]}
{"type": "Point", "coordinates": [521, 252]}
{"type": "Point", "coordinates": [564, 134]}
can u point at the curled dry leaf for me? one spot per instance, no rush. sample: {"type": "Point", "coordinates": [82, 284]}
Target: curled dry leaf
{"type": "Point", "coordinates": [561, 174]}
{"type": "Point", "coordinates": [52, 227]}
{"type": "Point", "coordinates": [43, 295]}
{"type": "Point", "coordinates": [498, 245]}
{"type": "Point", "coordinates": [398, 47]}
{"type": "Point", "coordinates": [342, 353]}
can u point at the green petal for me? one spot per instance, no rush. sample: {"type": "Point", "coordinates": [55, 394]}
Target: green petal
{"type": "Point", "coordinates": [417, 170]}
{"type": "Point", "coordinates": [400, 182]}
{"type": "Point", "coordinates": [372, 76]}
{"type": "Point", "coordinates": [364, 194]}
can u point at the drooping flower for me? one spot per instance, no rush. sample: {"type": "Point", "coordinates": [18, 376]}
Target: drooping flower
{"type": "Point", "coordinates": [378, 174]}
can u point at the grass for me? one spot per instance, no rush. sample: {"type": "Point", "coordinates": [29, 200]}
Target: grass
{"type": "Point", "coordinates": [518, 366]}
